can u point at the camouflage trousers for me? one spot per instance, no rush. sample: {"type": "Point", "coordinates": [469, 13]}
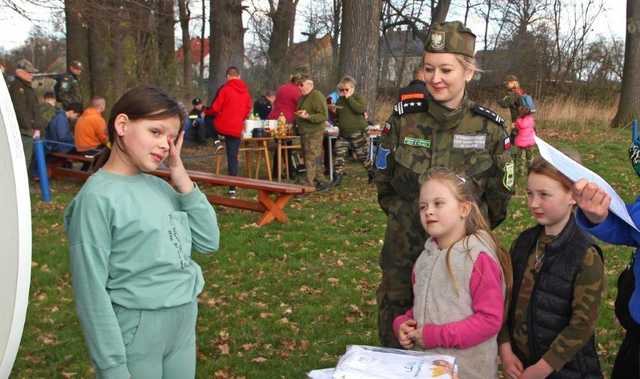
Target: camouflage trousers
{"type": "Point", "coordinates": [355, 143]}
{"type": "Point", "coordinates": [312, 152]}
{"type": "Point", "coordinates": [522, 159]}
{"type": "Point", "coordinates": [403, 242]}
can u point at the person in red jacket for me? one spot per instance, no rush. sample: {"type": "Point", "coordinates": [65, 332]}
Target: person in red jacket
{"type": "Point", "coordinates": [230, 108]}
{"type": "Point", "coordinates": [286, 101]}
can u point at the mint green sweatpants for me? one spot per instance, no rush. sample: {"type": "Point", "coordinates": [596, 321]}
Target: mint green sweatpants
{"type": "Point", "coordinates": [160, 343]}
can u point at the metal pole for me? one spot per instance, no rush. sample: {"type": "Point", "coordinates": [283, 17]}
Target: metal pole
{"type": "Point", "coordinates": [38, 146]}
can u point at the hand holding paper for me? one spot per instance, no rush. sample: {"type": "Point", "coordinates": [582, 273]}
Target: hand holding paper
{"type": "Point", "coordinates": [575, 172]}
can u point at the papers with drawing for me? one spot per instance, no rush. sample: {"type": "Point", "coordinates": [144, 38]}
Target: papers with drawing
{"type": "Point", "coordinates": [575, 171]}
{"type": "Point", "coordinates": [368, 362]}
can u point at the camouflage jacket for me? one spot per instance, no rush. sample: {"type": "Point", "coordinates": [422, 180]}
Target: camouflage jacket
{"type": "Point", "coordinates": [68, 89]}
{"type": "Point", "coordinates": [470, 140]}
{"type": "Point", "coordinates": [511, 101]}
{"type": "Point", "coordinates": [25, 103]}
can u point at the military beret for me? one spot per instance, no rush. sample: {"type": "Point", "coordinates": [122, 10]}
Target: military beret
{"type": "Point", "coordinates": [451, 37]}
{"type": "Point", "coordinates": [25, 65]}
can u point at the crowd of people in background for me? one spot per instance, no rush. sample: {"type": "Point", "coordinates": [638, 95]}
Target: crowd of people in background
{"type": "Point", "coordinates": [444, 173]}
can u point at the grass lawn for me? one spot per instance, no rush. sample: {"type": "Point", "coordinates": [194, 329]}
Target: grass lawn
{"type": "Point", "coordinates": [284, 299]}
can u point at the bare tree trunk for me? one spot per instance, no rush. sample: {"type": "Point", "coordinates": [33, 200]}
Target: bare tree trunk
{"type": "Point", "coordinates": [99, 55]}
{"type": "Point", "coordinates": [487, 19]}
{"type": "Point", "coordinates": [335, 34]}
{"type": "Point", "coordinates": [359, 46]}
{"type": "Point", "coordinates": [283, 19]}
{"type": "Point", "coordinates": [226, 39]}
{"type": "Point", "coordinates": [187, 71]}
{"type": "Point", "coordinates": [202, 29]}
{"type": "Point", "coordinates": [439, 13]}
{"type": "Point", "coordinates": [77, 36]}
{"type": "Point", "coordinates": [629, 107]}
{"type": "Point", "coordinates": [165, 27]}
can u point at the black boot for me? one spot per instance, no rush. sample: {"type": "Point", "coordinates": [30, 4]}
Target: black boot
{"type": "Point", "coordinates": [337, 179]}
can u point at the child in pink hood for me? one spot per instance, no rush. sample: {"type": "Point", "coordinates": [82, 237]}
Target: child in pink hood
{"type": "Point", "coordinates": [523, 122]}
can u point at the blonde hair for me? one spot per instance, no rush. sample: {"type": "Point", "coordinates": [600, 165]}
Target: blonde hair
{"type": "Point", "coordinates": [468, 63]}
{"type": "Point", "coordinates": [475, 223]}
{"type": "Point", "coordinates": [347, 79]}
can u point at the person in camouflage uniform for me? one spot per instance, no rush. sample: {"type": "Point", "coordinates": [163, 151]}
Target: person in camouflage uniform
{"type": "Point", "coordinates": [68, 85]}
{"type": "Point", "coordinates": [25, 104]}
{"type": "Point", "coordinates": [350, 112]}
{"type": "Point", "coordinates": [311, 117]}
{"type": "Point", "coordinates": [558, 282]}
{"type": "Point", "coordinates": [445, 130]}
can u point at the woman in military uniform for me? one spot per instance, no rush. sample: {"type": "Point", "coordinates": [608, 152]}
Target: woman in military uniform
{"type": "Point", "coordinates": [445, 130]}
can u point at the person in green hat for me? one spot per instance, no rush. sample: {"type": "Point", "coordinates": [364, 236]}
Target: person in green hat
{"type": "Point", "coordinates": [445, 129]}
{"type": "Point", "coordinates": [25, 104]}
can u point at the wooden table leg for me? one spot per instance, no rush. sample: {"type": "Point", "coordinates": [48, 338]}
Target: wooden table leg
{"type": "Point", "coordinates": [279, 167]}
{"type": "Point", "coordinates": [256, 155]}
{"type": "Point", "coordinates": [274, 209]}
{"type": "Point", "coordinates": [267, 162]}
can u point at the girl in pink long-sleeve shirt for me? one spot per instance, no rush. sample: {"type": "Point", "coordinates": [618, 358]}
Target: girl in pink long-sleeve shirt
{"type": "Point", "coordinates": [459, 280]}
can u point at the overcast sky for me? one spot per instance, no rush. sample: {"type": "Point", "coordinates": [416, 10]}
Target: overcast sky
{"type": "Point", "coordinates": [14, 29]}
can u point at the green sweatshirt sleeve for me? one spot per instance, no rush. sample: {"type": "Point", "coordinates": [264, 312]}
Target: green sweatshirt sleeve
{"type": "Point", "coordinates": [357, 104]}
{"type": "Point", "coordinates": [203, 221]}
{"type": "Point", "coordinates": [320, 112]}
{"type": "Point", "coordinates": [87, 223]}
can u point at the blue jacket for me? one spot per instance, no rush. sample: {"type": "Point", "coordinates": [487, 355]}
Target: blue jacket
{"type": "Point", "coordinates": [58, 130]}
{"type": "Point", "coordinates": [615, 231]}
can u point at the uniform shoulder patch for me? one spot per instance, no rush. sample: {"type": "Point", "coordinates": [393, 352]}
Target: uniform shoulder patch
{"type": "Point", "coordinates": [489, 114]}
{"type": "Point", "coordinates": [410, 104]}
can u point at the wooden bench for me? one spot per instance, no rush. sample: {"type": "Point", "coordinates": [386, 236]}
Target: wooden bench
{"type": "Point", "coordinates": [271, 200]}
{"type": "Point", "coordinates": [61, 158]}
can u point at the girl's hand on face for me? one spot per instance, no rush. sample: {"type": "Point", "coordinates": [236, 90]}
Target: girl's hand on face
{"type": "Point", "coordinates": [179, 176]}
{"type": "Point", "coordinates": [174, 150]}
{"type": "Point", "coordinates": [538, 371]}
{"type": "Point", "coordinates": [593, 201]}
{"type": "Point", "coordinates": [403, 333]}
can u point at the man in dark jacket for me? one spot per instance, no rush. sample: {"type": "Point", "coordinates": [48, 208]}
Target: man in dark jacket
{"type": "Point", "coordinates": [262, 107]}
{"type": "Point", "coordinates": [67, 88]}
{"type": "Point", "coordinates": [59, 129]}
{"type": "Point", "coordinates": [230, 108]}
{"type": "Point", "coordinates": [25, 103]}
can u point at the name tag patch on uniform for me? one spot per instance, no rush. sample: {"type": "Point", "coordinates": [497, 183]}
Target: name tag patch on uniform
{"type": "Point", "coordinates": [465, 141]}
{"type": "Point", "coordinates": [381, 158]}
{"type": "Point", "coordinates": [417, 142]}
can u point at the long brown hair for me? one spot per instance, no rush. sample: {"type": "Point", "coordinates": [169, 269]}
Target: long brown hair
{"type": "Point", "coordinates": [463, 190]}
{"type": "Point", "coordinates": [139, 103]}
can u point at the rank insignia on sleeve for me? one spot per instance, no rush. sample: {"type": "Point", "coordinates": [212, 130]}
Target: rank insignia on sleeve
{"type": "Point", "coordinates": [381, 158]}
{"type": "Point", "coordinates": [489, 114]}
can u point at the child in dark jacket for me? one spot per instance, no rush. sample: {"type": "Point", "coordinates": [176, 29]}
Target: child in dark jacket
{"type": "Point", "coordinates": [558, 282]}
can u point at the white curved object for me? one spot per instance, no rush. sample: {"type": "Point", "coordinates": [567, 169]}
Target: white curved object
{"type": "Point", "coordinates": [15, 234]}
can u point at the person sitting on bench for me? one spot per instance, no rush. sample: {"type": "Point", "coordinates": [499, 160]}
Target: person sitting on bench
{"type": "Point", "coordinates": [58, 132]}
{"type": "Point", "coordinates": [91, 128]}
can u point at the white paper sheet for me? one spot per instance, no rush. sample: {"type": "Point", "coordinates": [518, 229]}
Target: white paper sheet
{"type": "Point", "coordinates": [575, 171]}
{"type": "Point", "coordinates": [369, 362]}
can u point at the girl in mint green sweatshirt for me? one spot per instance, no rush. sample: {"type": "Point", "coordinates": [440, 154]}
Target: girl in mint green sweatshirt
{"type": "Point", "coordinates": [130, 239]}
